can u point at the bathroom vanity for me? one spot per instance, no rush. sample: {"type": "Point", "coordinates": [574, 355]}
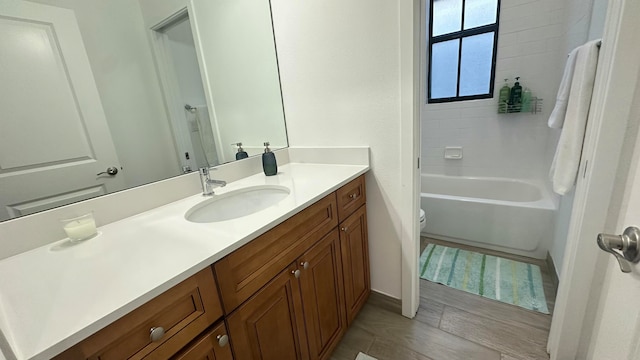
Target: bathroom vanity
{"type": "Point", "coordinates": [284, 282]}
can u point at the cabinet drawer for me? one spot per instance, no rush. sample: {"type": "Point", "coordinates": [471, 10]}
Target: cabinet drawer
{"type": "Point", "coordinates": [243, 272]}
{"type": "Point", "coordinates": [183, 312]}
{"type": "Point", "coordinates": [212, 345]}
{"type": "Point", "coordinates": [350, 197]}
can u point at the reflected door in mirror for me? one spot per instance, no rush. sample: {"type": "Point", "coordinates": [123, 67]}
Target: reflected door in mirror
{"type": "Point", "coordinates": [54, 138]}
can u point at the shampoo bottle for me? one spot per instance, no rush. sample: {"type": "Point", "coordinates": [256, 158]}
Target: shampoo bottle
{"type": "Point", "coordinates": [515, 100]}
{"type": "Point", "coordinates": [269, 164]}
{"type": "Point", "coordinates": [503, 99]}
{"type": "Point", "coordinates": [241, 154]}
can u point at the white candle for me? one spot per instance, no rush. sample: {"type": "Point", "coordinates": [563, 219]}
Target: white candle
{"type": "Point", "coordinates": [81, 228]}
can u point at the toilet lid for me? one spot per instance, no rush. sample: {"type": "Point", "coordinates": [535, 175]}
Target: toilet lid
{"type": "Point", "coordinates": [422, 215]}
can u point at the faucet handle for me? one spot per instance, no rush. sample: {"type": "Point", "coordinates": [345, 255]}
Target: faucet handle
{"type": "Point", "coordinates": [204, 171]}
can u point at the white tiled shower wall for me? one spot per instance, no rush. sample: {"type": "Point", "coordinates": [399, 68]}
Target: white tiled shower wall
{"type": "Point", "coordinates": [531, 44]}
{"type": "Point", "coordinates": [534, 39]}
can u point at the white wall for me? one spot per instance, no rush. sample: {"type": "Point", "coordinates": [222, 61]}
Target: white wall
{"type": "Point", "coordinates": [235, 42]}
{"type": "Point", "coordinates": [120, 57]}
{"type": "Point", "coordinates": [239, 57]}
{"type": "Point", "coordinates": [340, 73]}
{"type": "Point", "coordinates": [504, 145]}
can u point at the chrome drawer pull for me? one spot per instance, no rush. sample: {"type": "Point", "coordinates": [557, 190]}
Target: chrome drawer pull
{"type": "Point", "coordinates": [296, 273]}
{"type": "Point", "coordinates": [223, 340]}
{"type": "Point", "coordinates": [156, 333]}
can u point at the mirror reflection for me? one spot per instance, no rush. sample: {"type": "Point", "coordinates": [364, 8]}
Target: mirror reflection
{"type": "Point", "coordinates": [99, 96]}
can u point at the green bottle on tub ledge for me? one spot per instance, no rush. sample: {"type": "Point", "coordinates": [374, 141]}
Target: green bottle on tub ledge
{"type": "Point", "coordinates": [503, 99]}
{"type": "Point", "coordinates": [269, 164]}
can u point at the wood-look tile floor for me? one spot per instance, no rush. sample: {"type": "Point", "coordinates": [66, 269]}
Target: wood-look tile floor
{"type": "Point", "coordinates": [450, 325]}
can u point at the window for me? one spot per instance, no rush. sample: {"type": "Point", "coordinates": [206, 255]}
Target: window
{"type": "Point", "coordinates": [463, 36]}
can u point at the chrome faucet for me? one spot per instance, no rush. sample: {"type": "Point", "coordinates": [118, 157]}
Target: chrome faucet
{"type": "Point", "coordinates": [208, 183]}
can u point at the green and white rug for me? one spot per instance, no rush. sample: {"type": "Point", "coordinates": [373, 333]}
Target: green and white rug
{"type": "Point", "coordinates": [497, 278]}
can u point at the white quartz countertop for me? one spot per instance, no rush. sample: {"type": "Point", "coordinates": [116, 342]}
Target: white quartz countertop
{"type": "Point", "coordinates": [54, 296]}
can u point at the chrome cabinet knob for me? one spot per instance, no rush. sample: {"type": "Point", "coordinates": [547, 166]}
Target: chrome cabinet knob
{"type": "Point", "coordinates": [111, 171]}
{"type": "Point", "coordinates": [156, 333]}
{"type": "Point", "coordinates": [345, 228]}
{"type": "Point", "coordinates": [305, 265]}
{"type": "Point", "coordinates": [353, 196]}
{"type": "Point", "coordinates": [296, 273]}
{"type": "Point", "coordinates": [223, 340]}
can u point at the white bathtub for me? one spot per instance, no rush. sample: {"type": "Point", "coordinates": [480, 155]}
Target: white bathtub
{"type": "Point", "coordinates": [502, 214]}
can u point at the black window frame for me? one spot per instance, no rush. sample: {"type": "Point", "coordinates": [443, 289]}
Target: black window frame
{"type": "Point", "coordinates": [460, 35]}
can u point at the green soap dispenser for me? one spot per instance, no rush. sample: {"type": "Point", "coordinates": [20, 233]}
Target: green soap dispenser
{"type": "Point", "coordinates": [269, 164]}
{"type": "Point", "coordinates": [503, 99]}
{"type": "Point", "coordinates": [241, 154]}
{"type": "Point", "coordinates": [526, 101]}
{"type": "Point", "coordinates": [515, 99]}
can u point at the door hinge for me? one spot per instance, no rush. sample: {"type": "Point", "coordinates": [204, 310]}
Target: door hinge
{"type": "Point", "coordinates": [418, 163]}
{"type": "Point", "coordinates": [584, 173]}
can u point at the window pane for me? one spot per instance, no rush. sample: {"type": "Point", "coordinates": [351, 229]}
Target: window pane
{"type": "Point", "coordinates": [444, 69]}
{"type": "Point", "coordinates": [479, 13]}
{"type": "Point", "coordinates": [447, 16]}
{"type": "Point", "coordinates": [475, 68]}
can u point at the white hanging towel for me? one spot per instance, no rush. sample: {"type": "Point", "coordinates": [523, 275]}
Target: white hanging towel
{"type": "Point", "coordinates": [567, 158]}
{"type": "Point", "coordinates": [560, 110]}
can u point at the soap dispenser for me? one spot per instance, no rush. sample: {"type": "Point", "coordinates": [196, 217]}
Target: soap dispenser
{"type": "Point", "coordinates": [269, 164]}
{"type": "Point", "coordinates": [503, 99]}
{"type": "Point", "coordinates": [516, 96]}
{"type": "Point", "coordinates": [526, 101]}
{"type": "Point", "coordinates": [241, 154]}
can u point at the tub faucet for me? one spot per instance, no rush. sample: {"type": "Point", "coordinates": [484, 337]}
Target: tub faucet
{"type": "Point", "coordinates": [208, 183]}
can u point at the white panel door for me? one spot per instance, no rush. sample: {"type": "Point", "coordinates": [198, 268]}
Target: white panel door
{"type": "Point", "coordinates": [611, 331]}
{"type": "Point", "coordinates": [54, 137]}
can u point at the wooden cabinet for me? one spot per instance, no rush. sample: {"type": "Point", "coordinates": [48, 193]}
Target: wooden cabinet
{"type": "Point", "coordinates": [212, 345]}
{"type": "Point", "coordinates": [355, 261]}
{"type": "Point", "coordinates": [305, 310]}
{"type": "Point", "coordinates": [243, 272]}
{"type": "Point", "coordinates": [323, 295]}
{"type": "Point", "coordinates": [288, 294]}
{"type": "Point", "coordinates": [270, 325]}
{"type": "Point", "coordinates": [177, 316]}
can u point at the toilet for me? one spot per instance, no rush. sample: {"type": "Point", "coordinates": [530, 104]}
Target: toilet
{"type": "Point", "coordinates": [423, 220]}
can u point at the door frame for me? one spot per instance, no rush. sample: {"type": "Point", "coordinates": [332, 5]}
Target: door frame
{"type": "Point", "coordinates": [171, 90]}
{"type": "Point", "coordinates": [602, 149]}
{"type": "Point", "coordinates": [410, 85]}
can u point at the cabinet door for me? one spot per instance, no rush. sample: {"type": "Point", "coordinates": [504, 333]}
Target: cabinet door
{"type": "Point", "coordinates": [212, 345]}
{"type": "Point", "coordinates": [355, 261]}
{"type": "Point", "coordinates": [323, 295]}
{"type": "Point", "coordinates": [270, 325]}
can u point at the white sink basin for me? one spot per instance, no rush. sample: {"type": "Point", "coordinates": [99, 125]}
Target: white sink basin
{"type": "Point", "coordinates": [237, 203]}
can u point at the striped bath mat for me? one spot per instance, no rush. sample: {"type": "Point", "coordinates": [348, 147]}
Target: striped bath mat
{"type": "Point", "coordinates": [493, 277]}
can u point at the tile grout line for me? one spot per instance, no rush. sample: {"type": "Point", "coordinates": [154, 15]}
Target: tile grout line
{"type": "Point", "coordinates": [483, 316]}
